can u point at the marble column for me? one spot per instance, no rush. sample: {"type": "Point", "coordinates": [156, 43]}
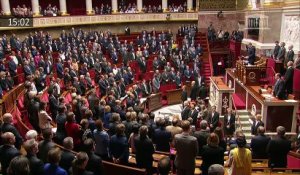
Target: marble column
{"type": "Point", "coordinates": [164, 5]}
{"type": "Point", "coordinates": [190, 5]}
{"type": "Point", "coordinates": [89, 7]}
{"type": "Point", "coordinates": [114, 6]}
{"type": "Point", "coordinates": [35, 7]}
{"type": "Point", "coordinates": [5, 7]}
{"type": "Point", "coordinates": [139, 5]}
{"type": "Point", "coordinates": [63, 7]}
{"type": "Point", "coordinates": [197, 5]}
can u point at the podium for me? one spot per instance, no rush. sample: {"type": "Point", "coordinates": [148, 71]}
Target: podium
{"type": "Point", "coordinates": [174, 96]}
{"type": "Point", "coordinates": [154, 102]}
{"type": "Point", "coordinates": [249, 75]}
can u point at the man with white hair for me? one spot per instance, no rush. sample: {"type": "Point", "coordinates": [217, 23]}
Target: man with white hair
{"type": "Point", "coordinates": [9, 127]}
{"type": "Point", "coordinates": [36, 165]}
{"type": "Point", "coordinates": [31, 134]}
{"type": "Point", "coordinates": [290, 54]}
{"type": "Point", "coordinates": [216, 169]}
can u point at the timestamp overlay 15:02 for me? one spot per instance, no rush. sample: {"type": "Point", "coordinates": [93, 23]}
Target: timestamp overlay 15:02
{"type": "Point", "coordinates": [15, 22]}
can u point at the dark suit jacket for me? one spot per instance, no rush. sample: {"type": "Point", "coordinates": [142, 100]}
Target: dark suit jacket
{"type": "Point", "coordinates": [6, 127]}
{"type": "Point", "coordinates": [251, 54]}
{"type": "Point", "coordinates": [279, 90]}
{"type": "Point", "coordinates": [194, 115]}
{"type": "Point", "coordinates": [193, 94]}
{"type": "Point", "coordinates": [288, 80]}
{"type": "Point", "coordinates": [210, 156]}
{"type": "Point", "coordinates": [277, 150]}
{"type": "Point", "coordinates": [95, 164]}
{"type": "Point", "coordinates": [144, 150]}
{"type": "Point", "coordinates": [231, 123]}
{"type": "Point", "coordinates": [290, 55]}
{"type": "Point", "coordinates": [258, 146]}
{"type": "Point", "coordinates": [7, 153]}
{"type": "Point", "coordinates": [214, 120]}
{"type": "Point", "coordinates": [66, 160]}
{"type": "Point", "coordinates": [255, 126]}
{"type": "Point", "coordinates": [276, 51]}
{"type": "Point", "coordinates": [53, 106]}
{"type": "Point", "coordinates": [162, 138]}
{"type": "Point", "coordinates": [202, 139]}
{"type": "Point", "coordinates": [184, 96]}
{"type": "Point", "coordinates": [36, 165]}
{"type": "Point", "coordinates": [185, 113]}
{"type": "Point", "coordinates": [44, 148]}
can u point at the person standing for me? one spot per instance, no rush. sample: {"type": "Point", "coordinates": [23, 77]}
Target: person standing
{"type": "Point", "coordinates": [213, 118]}
{"type": "Point", "coordinates": [187, 150]}
{"type": "Point", "coordinates": [251, 54]}
{"type": "Point", "coordinates": [259, 144]}
{"type": "Point", "coordinates": [281, 53]}
{"type": "Point", "coordinates": [229, 123]}
{"type": "Point", "coordinates": [278, 148]}
{"type": "Point", "coordinates": [279, 90]}
{"type": "Point", "coordinates": [276, 50]}
{"type": "Point", "coordinates": [289, 77]}
{"type": "Point", "coordinates": [240, 158]}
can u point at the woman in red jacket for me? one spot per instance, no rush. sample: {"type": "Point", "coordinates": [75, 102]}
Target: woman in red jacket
{"type": "Point", "coordinates": [73, 130]}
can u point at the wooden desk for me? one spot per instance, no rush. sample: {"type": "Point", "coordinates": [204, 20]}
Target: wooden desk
{"type": "Point", "coordinates": [220, 94]}
{"type": "Point", "coordinates": [272, 110]}
{"type": "Point", "coordinates": [154, 102]}
{"type": "Point", "coordinates": [249, 74]}
{"type": "Point", "coordinates": [174, 96]}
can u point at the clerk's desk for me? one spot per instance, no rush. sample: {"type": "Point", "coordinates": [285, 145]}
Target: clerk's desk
{"type": "Point", "coordinates": [275, 112]}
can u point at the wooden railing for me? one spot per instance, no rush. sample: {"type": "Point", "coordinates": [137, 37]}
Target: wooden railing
{"type": "Point", "coordinates": [209, 56]}
{"type": "Point", "coordinates": [237, 117]}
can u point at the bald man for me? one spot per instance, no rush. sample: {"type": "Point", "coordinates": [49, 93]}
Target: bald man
{"type": "Point", "coordinates": [7, 151]}
{"type": "Point", "coordinates": [9, 127]}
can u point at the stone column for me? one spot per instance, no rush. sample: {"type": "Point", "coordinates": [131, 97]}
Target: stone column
{"type": "Point", "coordinates": [114, 6]}
{"type": "Point", "coordinates": [63, 7]}
{"type": "Point", "coordinates": [35, 7]}
{"type": "Point", "coordinates": [89, 7]}
{"type": "Point", "coordinates": [139, 5]}
{"type": "Point", "coordinates": [164, 5]}
{"type": "Point", "coordinates": [197, 5]}
{"type": "Point", "coordinates": [5, 7]}
{"type": "Point", "coordinates": [190, 5]}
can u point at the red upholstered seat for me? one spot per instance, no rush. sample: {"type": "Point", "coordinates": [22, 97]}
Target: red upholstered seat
{"type": "Point", "coordinates": [92, 73]}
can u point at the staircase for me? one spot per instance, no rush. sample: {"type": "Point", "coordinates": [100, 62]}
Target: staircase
{"type": "Point", "coordinates": [206, 68]}
{"type": "Point", "coordinates": [245, 123]}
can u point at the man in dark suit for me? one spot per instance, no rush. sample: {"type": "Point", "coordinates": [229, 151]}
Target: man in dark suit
{"type": "Point", "coordinates": [144, 149]}
{"type": "Point", "coordinates": [35, 164]}
{"type": "Point", "coordinates": [194, 91]}
{"type": "Point", "coordinates": [7, 151]}
{"type": "Point", "coordinates": [9, 127]}
{"type": "Point", "coordinates": [229, 123]}
{"type": "Point", "coordinates": [213, 118]}
{"type": "Point", "coordinates": [45, 145]}
{"type": "Point", "coordinates": [290, 54]}
{"type": "Point", "coordinates": [259, 144]}
{"type": "Point", "coordinates": [95, 162]}
{"type": "Point", "coordinates": [186, 110]}
{"type": "Point", "coordinates": [278, 149]}
{"type": "Point", "coordinates": [289, 78]}
{"type": "Point", "coordinates": [257, 123]}
{"type": "Point", "coordinates": [202, 135]}
{"type": "Point", "coordinates": [12, 67]}
{"type": "Point", "coordinates": [187, 150]}
{"type": "Point", "coordinates": [145, 88]}
{"type": "Point", "coordinates": [193, 113]}
{"type": "Point", "coordinates": [67, 156]}
{"type": "Point", "coordinates": [279, 90]}
{"type": "Point", "coordinates": [127, 30]}
{"type": "Point", "coordinates": [184, 95]}
{"type": "Point", "coordinates": [251, 54]}
{"type": "Point", "coordinates": [281, 53]}
{"type": "Point", "coordinates": [53, 103]}
{"type": "Point", "coordinates": [276, 50]}
{"type": "Point", "coordinates": [162, 137]}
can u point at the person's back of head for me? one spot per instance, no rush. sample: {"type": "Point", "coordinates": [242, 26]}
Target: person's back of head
{"type": "Point", "coordinates": [19, 166]}
{"type": "Point", "coordinates": [8, 138]}
{"type": "Point", "coordinates": [185, 125]}
{"type": "Point", "coordinates": [203, 125]}
{"type": "Point", "coordinates": [241, 140]}
{"type": "Point", "coordinates": [261, 130]}
{"type": "Point", "coordinates": [89, 145]}
{"type": "Point", "coordinates": [280, 131]}
{"type": "Point", "coordinates": [68, 143]}
{"type": "Point", "coordinates": [164, 166]}
{"type": "Point", "coordinates": [54, 156]}
{"type": "Point", "coordinates": [47, 134]}
{"type": "Point", "coordinates": [216, 169]}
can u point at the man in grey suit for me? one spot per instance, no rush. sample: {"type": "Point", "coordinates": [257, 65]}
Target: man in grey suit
{"type": "Point", "coordinates": [187, 150]}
